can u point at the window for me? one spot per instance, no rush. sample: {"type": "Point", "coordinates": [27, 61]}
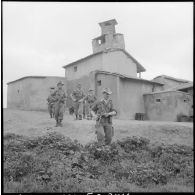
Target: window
{"type": "Point", "coordinates": [99, 83]}
{"type": "Point", "coordinates": [107, 24]}
{"type": "Point", "coordinates": [75, 68]}
{"type": "Point", "coordinates": [157, 100]}
{"type": "Point", "coordinates": [101, 40]}
{"type": "Point", "coordinates": [18, 90]}
{"type": "Point", "coordinates": [185, 101]}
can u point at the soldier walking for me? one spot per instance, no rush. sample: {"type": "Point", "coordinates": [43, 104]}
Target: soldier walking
{"type": "Point", "coordinates": [51, 101]}
{"type": "Point", "coordinates": [103, 112]}
{"type": "Point", "coordinates": [89, 101]}
{"type": "Point", "coordinates": [60, 98]}
{"type": "Point", "coordinates": [77, 96]}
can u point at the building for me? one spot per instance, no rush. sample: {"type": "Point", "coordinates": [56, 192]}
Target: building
{"type": "Point", "coordinates": [109, 55]}
{"type": "Point", "coordinates": [127, 91]}
{"type": "Point", "coordinates": [31, 92]}
{"type": "Point", "coordinates": [110, 65]}
{"type": "Point", "coordinates": [186, 87]}
{"type": "Point", "coordinates": [170, 82]}
{"type": "Point", "coordinates": [168, 105]}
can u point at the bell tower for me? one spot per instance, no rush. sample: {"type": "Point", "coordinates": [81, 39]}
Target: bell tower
{"type": "Point", "coordinates": [109, 39]}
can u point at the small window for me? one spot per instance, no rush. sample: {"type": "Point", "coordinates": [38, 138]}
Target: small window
{"type": "Point", "coordinates": [157, 100]}
{"type": "Point", "coordinates": [101, 40]}
{"type": "Point", "coordinates": [107, 24]}
{"type": "Point", "coordinates": [99, 83]}
{"type": "Point", "coordinates": [185, 101]}
{"type": "Point", "coordinates": [18, 90]}
{"type": "Point", "coordinates": [75, 68]}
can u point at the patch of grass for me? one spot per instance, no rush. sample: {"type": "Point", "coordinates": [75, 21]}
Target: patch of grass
{"type": "Point", "coordinates": [54, 163]}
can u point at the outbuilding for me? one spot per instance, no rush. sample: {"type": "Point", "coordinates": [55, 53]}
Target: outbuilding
{"type": "Point", "coordinates": [168, 105]}
{"type": "Point", "coordinates": [31, 92]}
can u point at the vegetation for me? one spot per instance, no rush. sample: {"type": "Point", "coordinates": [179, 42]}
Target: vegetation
{"type": "Point", "coordinates": [54, 163]}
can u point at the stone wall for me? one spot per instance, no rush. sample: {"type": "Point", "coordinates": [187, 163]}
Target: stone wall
{"type": "Point", "coordinates": [166, 106]}
{"type": "Point", "coordinates": [31, 93]}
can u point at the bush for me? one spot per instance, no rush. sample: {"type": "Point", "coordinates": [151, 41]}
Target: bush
{"type": "Point", "coordinates": [54, 163]}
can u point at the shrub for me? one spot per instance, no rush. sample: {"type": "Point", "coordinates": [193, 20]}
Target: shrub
{"type": "Point", "coordinates": [54, 163]}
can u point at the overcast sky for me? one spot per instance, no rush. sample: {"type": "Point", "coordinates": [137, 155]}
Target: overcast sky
{"type": "Point", "coordinates": [41, 37]}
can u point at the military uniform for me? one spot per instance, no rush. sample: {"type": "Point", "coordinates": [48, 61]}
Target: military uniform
{"type": "Point", "coordinates": [51, 102]}
{"type": "Point", "coordinates": [60, 97]}
{"type": "Point", "coordinates": [78, 106]}
{"type": "Point", "coordinates": [89, 102]}
{"type": "Point", "coordinates": [104, 128]}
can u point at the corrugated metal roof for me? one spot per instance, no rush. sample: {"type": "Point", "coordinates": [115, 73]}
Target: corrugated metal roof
{"type": "Point", "coordinates": [27, 77]}
{"type": "Point", "coordinates": [140, 68]}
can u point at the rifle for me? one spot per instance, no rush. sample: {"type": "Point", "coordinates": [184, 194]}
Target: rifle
{"type": "Point", "coordinates": [100, 115]}
{"type": "Point", "coordinates": [59, 99]}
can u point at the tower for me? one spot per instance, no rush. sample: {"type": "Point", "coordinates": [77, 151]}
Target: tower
{"type": "Point", "coordinates": [109, 39]}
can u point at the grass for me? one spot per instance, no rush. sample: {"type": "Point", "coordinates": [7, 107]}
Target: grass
{"type": "Point", "coordinates": [54, 163]}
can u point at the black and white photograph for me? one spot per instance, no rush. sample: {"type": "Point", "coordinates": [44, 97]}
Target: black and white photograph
{"type": "Point", "coordinates": [97, 97]}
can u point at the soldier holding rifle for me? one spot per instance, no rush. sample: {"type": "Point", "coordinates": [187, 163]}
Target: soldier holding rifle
{"type": "Point", "coordinates": [60, 98]}
{"type": "Point", "coordinates": [103, 112]}
{"type": "Point", "coordinates": [89, 101]}
{"type": "Point", "coordinates": [77, 97]}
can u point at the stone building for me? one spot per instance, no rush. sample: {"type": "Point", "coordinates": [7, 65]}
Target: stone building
{"type": "Point", "coordinates": [109, 54]}
{"type": "Point", "coordinates": [169, 82]}
{"type": "Point", "coordinates": [186, 87]}
{"type": "Point", "coordinates": [127, 91]}
{"type": "Point", "coordinates": [31, 92]}
{"type": "Point", "coordinates": [168, 105]}
{"type": "Point", "coordinates": [110, 65]}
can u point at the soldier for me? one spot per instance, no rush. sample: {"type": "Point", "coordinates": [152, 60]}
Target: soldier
{"type": "Point", "coordinates": [89, 100]}
{"type": "Point", "coordinates": [51, 101]}
{"type": "Point", "coordinates": [60, 98]}
{"type": "Point", "coordinates": [103, 112]}
{"type": "Point", "coordinates": [77, 96]}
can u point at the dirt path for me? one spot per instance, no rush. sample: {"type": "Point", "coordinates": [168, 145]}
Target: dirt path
{"type": "Point", "coordinates": [32, 123]}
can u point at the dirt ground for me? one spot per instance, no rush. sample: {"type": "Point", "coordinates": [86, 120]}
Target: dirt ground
{"type": "Point", "coordinates": [33, 123]}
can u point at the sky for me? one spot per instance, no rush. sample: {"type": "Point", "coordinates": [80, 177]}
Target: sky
{"type": "Point", "coordinates": [41, 37]}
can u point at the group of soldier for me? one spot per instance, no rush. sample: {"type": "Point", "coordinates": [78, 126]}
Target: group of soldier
{"type": "Point", "coordinates": [85, 106]}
